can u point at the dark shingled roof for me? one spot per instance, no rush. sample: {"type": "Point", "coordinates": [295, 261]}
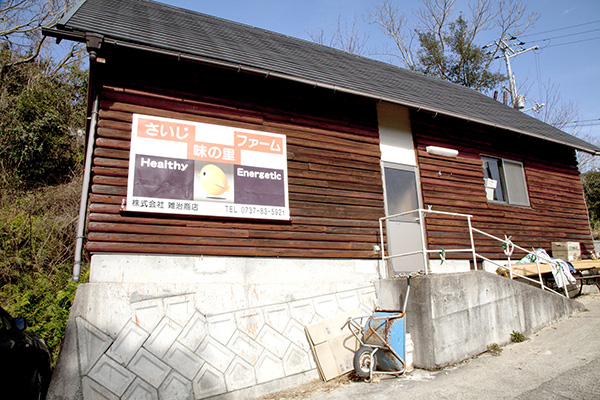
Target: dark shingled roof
{"type": "Point", "coordinates": [192, 35]}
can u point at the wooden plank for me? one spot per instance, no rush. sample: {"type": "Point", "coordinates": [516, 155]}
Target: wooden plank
{"type": "Point", "coordinates": [109, 180]}
{"type": "Point", "coordinates": [332, 130]}
{"type": "Point", "coordinates": [111, 162]}
{"type": "Point", "coordinates": [286, 228]}
{"type": "Point", "coordinates": [331, 154]}
{"type": "Point", "coordinates": [114, 133]}
{"type": "Point", "coordinates": [114, 125]}
{"type": "Point", "coordinates": [223, 241]}
{"type": "Point", "coordinates": [338, 215]}
{"type": "Point", "coordinates": [321, 198]}
{"type": "Point", "coordinates": [319, 190]}
{"type": "Point", "coordinates": [338, 162]}
{"type": "Point", "coordinates": [229, 251]}
{"type": "Point", "coordinates": [333, 177]}
{"type": "Point", "coordinates": [167, 230]}
{"type": "Point", "coordinates": [111, 153]}
{"type": "Point", "coordinates": [112, 190]}
{"type": "Point", "coordinates": [114, 172]}
{"type": "Point", "coordinates": [336, 185]}
{"type": "Point", "coordinates": [113, 144]}
{"type": "Point", "coordinates": [116, 115]}
{"type": "Point", "coordinates": [160, 105]}
{"type": "Point", "coordinates": [532, 269]}
{"type": "Point", "coordinates": [105, 198]}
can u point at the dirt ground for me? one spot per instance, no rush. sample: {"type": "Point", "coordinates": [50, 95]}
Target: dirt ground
{"type": "Point", "coordinates": [312, 388]}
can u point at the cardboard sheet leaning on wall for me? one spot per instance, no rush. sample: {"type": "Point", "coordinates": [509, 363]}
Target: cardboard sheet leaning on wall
{"type": "Point", "coordinates": [332, 345]}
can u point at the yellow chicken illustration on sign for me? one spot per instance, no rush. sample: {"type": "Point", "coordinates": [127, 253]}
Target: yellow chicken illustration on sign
{"type": "Point", "coordinates": [214, 180]}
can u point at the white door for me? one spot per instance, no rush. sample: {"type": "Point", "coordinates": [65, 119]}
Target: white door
{"type": "Point", "coordinates": [403, 233]}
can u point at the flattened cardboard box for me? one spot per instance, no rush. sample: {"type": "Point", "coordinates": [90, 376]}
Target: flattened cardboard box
{"type": "Point", "coordinates": [333, 345]}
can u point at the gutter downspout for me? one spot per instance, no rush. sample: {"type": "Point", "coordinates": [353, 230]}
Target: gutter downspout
{"type": "Point", "coordinates": [85, 190]}
{"type": "Point", "coordinates": [94, 41]}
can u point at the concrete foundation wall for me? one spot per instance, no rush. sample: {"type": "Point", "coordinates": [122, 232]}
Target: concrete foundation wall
{"type": "Point", "coordinates": [452, 317]}
{"type": "Point", "coordinates": [225, 327]}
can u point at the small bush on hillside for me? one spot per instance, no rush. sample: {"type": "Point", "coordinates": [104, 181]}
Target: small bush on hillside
{"type": "Point", "coordinates": [37, 243]}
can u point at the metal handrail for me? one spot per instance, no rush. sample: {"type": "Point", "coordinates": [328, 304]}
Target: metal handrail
{"type": "Point", "coordinates": [508, 246]}
{"type": "Point", "coordinates": [424, 251]}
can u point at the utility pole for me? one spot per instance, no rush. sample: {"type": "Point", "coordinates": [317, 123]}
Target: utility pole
{"type": "Point", "coordinates": [518, 102]}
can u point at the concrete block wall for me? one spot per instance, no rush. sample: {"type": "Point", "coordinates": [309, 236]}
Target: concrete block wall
{"type": "Point", "coordinates": [232, 329]}
{"type": "Point", "coordinates": [452, 317]}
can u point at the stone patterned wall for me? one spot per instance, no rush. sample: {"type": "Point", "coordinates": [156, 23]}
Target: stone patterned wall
{"type": "Point", "coordinates": [170, 349]}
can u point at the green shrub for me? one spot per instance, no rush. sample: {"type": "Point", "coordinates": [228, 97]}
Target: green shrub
{"type": "Point", "coordinates": [44, 301]}
{"type": "Point", "coordinates": [37, 243]}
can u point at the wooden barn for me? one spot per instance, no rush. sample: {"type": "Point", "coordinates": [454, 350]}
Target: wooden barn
{"type": "Point", "coordinates": [235, 183]}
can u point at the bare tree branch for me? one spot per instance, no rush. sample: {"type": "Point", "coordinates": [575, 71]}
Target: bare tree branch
{"type": "Point", "coordinates": [349, 37]}
{"type": "Point", "coordinates": [346, 36]}
{"type": "Point", "coordinates": [73, 57]}
{"type": "Point", "coordinates": [482, 15]}
{"type": "Point", "coordinates": [21, 22]}
{"type": "Point", "coordinates": [394, 23]}
{"type": "Point", "coordinates": [320, 36]}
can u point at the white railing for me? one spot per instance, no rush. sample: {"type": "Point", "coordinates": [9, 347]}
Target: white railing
{"type": "Point", "coordinates": [507, 245]}
{"type": "Point", "coordinates": [424, 250]}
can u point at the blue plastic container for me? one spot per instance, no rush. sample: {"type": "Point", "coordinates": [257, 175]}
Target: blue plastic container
{"type": "Point", "coordinates": [391, 326]}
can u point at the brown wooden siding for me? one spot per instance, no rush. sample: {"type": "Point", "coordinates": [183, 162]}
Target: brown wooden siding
{"type": "Point", "coordinates": [335, 188]}
{"type": "Point", "coordinates": [557, 211]}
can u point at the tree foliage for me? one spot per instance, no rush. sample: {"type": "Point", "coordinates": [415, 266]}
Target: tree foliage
{"type": "Point", "coordinates": [42, 120]}
{"type": "Point", "coordinates": [591, 188]}
{"type": "Point", "coordinates": [42, 97]}
{"type": "Point", "coordinates": [438, 42]}
{"type": "Point", "coordinates": [456, 58]}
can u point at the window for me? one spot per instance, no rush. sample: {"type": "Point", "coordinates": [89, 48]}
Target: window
{"type": "Point", "coordinates": [505, 181]}
{"type": "Point", "coordinates": [400, 189]}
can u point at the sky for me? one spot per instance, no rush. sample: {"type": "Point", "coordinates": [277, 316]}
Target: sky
{"type": "Point", "coordinates": [567, 32]}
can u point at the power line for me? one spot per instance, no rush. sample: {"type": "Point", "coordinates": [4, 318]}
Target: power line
{"type": "Point", "coordinates": [584, 125]}
{"type": "Point", "coordinates": [576, 41]}
{"type": "Point", "coordinates": [560, 29]}
{"type": "Point", "coordinates": [597, 120]}
{"type": "Point", "coordinates": [570, 34]}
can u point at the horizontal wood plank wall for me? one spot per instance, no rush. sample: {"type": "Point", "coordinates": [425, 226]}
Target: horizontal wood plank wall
{"type": "Point", "coordinates": [557, 211]}
{"type": "Point", "coordinates": [335, 187]}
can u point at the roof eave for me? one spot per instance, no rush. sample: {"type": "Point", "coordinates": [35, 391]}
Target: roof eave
{"type": "Point", "coordinates": [81, 37]}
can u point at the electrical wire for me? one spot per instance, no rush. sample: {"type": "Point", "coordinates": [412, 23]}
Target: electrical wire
{"type": "Point", "coordinates": [570, 34]}
{"type": "Point", "coordinates": [564, 36]}
{"type": "Point", "coordinates": [573, 42]}
{"type": "Point", "coordinates": [594, 121]}
{"type": "Point", "coordinates": [560, 29]}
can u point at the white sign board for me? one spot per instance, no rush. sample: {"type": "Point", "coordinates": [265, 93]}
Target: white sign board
{"type": "Point", "coordinates": [192, 168]}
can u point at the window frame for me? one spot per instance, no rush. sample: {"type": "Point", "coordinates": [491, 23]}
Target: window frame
{"type": "Point", "coordinates": [508, 181]}
{"type": "Point", "coordinates": [405, 168]}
